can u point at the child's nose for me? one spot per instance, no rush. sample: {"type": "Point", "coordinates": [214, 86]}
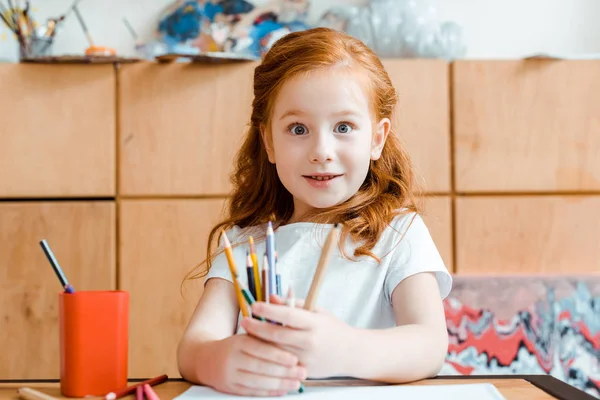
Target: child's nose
{"type": "Point", "coordinates": [321, 149]}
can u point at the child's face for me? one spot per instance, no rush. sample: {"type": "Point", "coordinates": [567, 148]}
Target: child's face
{"type": "Point", "coordinates": [324, 137]}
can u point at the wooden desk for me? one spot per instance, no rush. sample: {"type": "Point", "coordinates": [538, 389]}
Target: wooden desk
{"type": "Point", "coordinates": [517, 387]}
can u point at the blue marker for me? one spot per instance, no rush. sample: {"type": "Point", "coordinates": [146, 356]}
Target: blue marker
{"type": "Point", "coordinates": [59, 273]}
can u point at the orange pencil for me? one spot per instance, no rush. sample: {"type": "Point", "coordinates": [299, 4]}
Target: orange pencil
{"type": "Point", "coordinates": [234, 273]}
{"type": "Point", "coordinates": [257, 283]}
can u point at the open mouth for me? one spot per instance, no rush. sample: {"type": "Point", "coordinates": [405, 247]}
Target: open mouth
{"type": "Point", "coordinates": [321, 177]}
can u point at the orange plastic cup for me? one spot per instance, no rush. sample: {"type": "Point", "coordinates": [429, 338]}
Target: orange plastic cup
{"type": "Point", "coordinates": [94, 334]}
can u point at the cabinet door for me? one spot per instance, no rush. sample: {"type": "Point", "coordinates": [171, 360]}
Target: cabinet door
{"type": "Point", "coordinates": [57, 136]}
{"type": "Point", "coordinates": [527, 126]}
{"type": "Point", "coordinates": [160, 241]}
{"type": "Point", "coordinates": [528, 235]}
{"type": "Point", "coordinates": [438, 218]}
{"type": "Point", "coordinates": [82, 237]}
{"type": "Point", "coordinates": [422, 118]}
{"type": "Point", "coordinates": [180, 126]}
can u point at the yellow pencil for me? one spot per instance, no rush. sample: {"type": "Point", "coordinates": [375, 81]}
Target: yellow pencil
{"type": "Point", "coordinates": [257, 283]}
{"type": "Point", "coordinates": [233, 270]}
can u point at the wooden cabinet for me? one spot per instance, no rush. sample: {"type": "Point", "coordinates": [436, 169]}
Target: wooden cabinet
{"type": "Point", "coordinates": [422, 118]}
{"type": "Point", "coordinates": [57, 137]}
{"type": "Point", "coordinates": [82, 237]}
{"type": "Point", "coordinates": [527, 126]}
{"type": "Point", "coordinates": [528, 235]}
{"type": "Point", "coordinates": [160, 241]}
{"type": "Point", "coordinates": [180, 126]}
{"type": "Point", "coordinates": [438, 219]}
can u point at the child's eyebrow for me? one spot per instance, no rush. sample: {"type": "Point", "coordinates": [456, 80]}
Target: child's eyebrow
{"type": "Point", "coordinates": [298, 113]}
{"type": "Point", "coordinates": [291, 113]}
{"type": "Point", "coordinates": [345, 113]}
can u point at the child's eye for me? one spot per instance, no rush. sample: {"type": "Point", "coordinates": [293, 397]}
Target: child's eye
{"type": "Point", "coordinates": [297, 129]}
{"type": "Point", "coordinates": [343, 127]}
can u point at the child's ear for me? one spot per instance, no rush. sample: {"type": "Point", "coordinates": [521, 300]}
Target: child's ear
{"type": "Point", "coordinates": [380, 134]}
{"type": "Point", "coordinates": [268, 144]}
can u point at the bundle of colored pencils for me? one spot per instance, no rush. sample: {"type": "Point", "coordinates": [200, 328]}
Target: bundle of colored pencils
{"type": "Point", "coordinates": [260, 285]}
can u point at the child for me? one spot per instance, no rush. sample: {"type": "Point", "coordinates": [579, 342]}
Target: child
{"type": "Point", "coordinates": [320, 150]}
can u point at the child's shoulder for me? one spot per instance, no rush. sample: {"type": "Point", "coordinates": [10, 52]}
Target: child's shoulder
{"type": "Point", "coordinates": [405, 221]}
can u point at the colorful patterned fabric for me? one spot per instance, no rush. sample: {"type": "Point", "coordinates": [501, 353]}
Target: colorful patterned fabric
{"type": "Point", "coordinates": [526, 325]}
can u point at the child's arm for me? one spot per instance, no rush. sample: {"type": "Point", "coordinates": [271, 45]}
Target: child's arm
{"type": "Point", "coordinates": [209, 353]}
{"type": "Point", "coordinates": [414, 350]}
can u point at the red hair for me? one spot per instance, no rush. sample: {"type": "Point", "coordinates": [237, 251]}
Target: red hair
{"type": "Point", "coordinates": [259, 196]}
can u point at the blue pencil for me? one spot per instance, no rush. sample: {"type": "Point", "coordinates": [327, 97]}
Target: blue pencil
{"type": "Point", "coordinates": [59, 273]}
{"type": "Point", "coordinates": [271, 258]}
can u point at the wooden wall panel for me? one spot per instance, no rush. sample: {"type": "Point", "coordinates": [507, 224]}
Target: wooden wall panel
{"type": "Point", "coordinates": [82, 237]}
{"type": "Point", "coordinates": [180, 126]}
{"type": "Point", "coordinates": [528, 234]}
{"type": "Point", "coordinates": [527, 125]}
{"type": "Point", "coordinates": [422, 117]}
{"type": "Point", "coordinates": [160, 241]}
{"type": "Point", "coordinates": [57, 136]}
{"type": "Point", "coordinates": [438, 218]}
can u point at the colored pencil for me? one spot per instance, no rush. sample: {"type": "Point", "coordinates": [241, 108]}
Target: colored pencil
{"type": "Point", "coordinates": [131, 389]}
{"type": "Point", "coordinates": [32, 394]}
{"type": "Point", "coordinates": [277, 277]}
{"type": "Point", "coordinates": [250, 275]}
{"type": "Point", "coordinates": [249, 298]}
{"type": "Point", "coordinates": [257, 283]}
{"type": "Point", "coordinates": [271, 257]}
{"type": "Point", "coordinates": [317, 281]}
{"type": "Point", "coordinates": [150, 393]}
{"type": "Point", "coordinates": [56, 266]}
{"type": "Point", "coordinates": [139, 393]}
{"type": "Point", "coordinates": [266, 276]}
{"type": "Point", "coordinates": [234, 273]}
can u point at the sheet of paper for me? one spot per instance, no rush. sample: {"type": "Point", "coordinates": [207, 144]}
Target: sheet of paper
{"type": "Point", "coordinates": [467, 391]}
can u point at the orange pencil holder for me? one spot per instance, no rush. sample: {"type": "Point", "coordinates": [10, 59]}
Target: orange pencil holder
{"type": "Point", "coordinates": [94, 335]}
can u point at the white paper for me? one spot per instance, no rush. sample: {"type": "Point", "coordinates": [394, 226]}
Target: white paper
{"type": "Point", "coordinates": [469, 391]}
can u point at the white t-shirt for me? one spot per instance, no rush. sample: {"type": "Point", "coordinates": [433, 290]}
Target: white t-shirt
{"type": "Point", "coordinates": [357, 292]}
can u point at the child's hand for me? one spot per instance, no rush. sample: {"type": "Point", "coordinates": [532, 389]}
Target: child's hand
{"type": "Point", "coordinates": [252, 367]}
{"type": "Point", "coordinates": [319, 339]}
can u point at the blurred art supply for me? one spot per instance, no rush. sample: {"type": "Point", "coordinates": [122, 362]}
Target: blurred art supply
{"type": "Point", "coordinates": [399, 28]}
{"type": "Point", "coordinates": [150, 394]}
{"type": "Point", "coordinates": [32, 394]}
{"type": "Point", "coordinates": [56, 267]}
{"type": "Point", "coordinates": [229, 26]}
{"type": "Point", "coordinates": [139, 393]}
{"type": "Point", "coordinates": [315, 286]}
{"type": "Point", "coordinates": [93, 49]}
{"type": "Point", "coordinates": [93, 333]}
{"type": "Point", "coordinates": [148, 50]}
{"type": "Point", "coordinates": [133, 388]}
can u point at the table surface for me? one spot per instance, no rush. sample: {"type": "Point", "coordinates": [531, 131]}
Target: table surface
{"type": "Point", "coordinates": [511, 388]}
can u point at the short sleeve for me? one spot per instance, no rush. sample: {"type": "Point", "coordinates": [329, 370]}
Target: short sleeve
{"type": "Point", "coordinates": [220, 267]}
{"type": "Point", "coordinates": [416, 252]}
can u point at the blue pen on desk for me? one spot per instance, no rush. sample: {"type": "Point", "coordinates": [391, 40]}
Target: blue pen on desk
{"type": "Point", "coordinates": [59, 273]}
